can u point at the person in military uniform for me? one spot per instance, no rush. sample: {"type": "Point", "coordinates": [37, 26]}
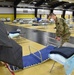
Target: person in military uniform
{"type": "Point", "coordinates": [62, 29]}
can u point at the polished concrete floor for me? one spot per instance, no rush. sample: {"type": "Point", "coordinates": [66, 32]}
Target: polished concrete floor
{"type": "Point", "coordinates": [40, 69]}
{"type": "Point", "coordinates": [37, 34]}
{"type": "Point", "coordinates": [36, 37]}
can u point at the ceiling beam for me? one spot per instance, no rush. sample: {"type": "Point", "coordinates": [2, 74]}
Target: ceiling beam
{"type": "Point", "coordinates": [56, 4]}
{"type": "Point", "coordinates": [16, 2]}
{"type": "Point", "coordinates": [39, 2]}
{"type": "Point", "coordinates": [68, 5]}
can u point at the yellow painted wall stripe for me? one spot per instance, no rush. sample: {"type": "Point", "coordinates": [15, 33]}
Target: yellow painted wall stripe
{"type": "Point", "coordinates": [11, 16]}
{"type": "Point", "coordinates": [25, 16]}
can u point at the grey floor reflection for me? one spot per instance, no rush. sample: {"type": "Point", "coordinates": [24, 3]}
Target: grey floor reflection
{"type": "Point", "coordinates": [35, 35]}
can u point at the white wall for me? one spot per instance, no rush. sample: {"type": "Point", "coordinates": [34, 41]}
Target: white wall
{"type": "Point", "coordinates": [69, 12]}
{"type": "Point", "coordinates": [57, 12]}
{"type": "Point", "coordinates": [43, 11]}
{"type": "Point", "coordinates": [5, 10]}
{"type": "Point", "coordinates": [25, 11]}
{"type": "Point", "coordinates": [31, 11]}
{"type": "Point", "coordinates": [60, 12]}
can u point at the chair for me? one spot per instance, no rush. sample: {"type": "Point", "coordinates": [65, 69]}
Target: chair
{"type": "Point", "coordinates": [67, 62]}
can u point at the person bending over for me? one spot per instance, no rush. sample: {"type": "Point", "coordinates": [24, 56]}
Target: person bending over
{"type": "Point", "coordinates": [62, 29]}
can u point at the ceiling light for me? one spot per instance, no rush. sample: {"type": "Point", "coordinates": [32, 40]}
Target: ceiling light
{"type": "Point", "coordinates": [60, 0]}
{"type": "Point", "coordinates": [64, 5]}
{"type": "Point", "coordinates": [22, 1]}
{"type": "Point", "coordinates": [46, 3]}
{"type": "Point", "coordinates": [70, 2]}
{"type": "Point", "coordinates": [34, 2]}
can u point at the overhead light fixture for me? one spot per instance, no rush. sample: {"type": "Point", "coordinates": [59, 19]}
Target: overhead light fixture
{"type": "Point", "coordinates": [64, 5]}
{"type": "Point", "coordinates": [34, 2]}
{"type": "Point", "coordinates": [22, 1]}
{"type": "Point", "coordinates": [60, 0]}
{"type": "Point", "coordinates": [46, 3]}
{"type": "Point", "coordinates": [70, 2]}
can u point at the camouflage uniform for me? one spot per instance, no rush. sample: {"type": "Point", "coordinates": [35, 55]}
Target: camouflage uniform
{"type": "Point", "coordinates": [62, 30]}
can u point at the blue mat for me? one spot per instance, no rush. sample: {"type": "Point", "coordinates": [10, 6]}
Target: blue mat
{"type": "Point", "coordinates": [13, 32]}
{"type": "Point", "coordinates": [31, 60]}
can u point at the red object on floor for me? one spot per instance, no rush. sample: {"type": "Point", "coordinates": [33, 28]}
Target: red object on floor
{"type": "Point", "coordinates": [12, 72]}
